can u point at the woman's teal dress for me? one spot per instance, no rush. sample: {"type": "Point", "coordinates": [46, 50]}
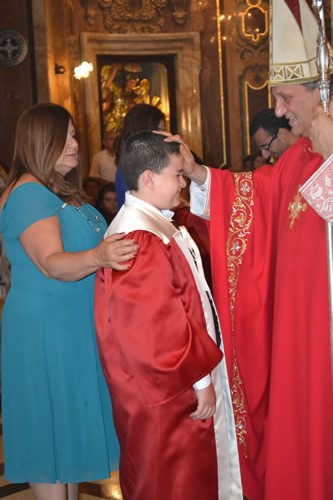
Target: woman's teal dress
{"type": "Point", "coordinates": [57, 418]}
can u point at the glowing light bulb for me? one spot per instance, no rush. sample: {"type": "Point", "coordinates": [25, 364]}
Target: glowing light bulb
{"type": "Point", "coordinates": [83, 71]}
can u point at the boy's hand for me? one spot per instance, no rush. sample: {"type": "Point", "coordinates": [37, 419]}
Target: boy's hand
{"type": "Point", "coordinates": [206, 403]}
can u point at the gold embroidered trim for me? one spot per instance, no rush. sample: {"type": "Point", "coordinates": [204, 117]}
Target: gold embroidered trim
{"type": "Point", "coordinates": [296, 207]}
{"type": "Point", "coordinates": [239, 230]}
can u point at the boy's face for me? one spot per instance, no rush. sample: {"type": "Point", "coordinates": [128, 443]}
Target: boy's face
{"type": "Point", "coordinates": [168, 184]}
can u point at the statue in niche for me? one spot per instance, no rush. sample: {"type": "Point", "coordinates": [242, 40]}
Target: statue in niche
{"type": "Point", "coordinates": [123, 86]}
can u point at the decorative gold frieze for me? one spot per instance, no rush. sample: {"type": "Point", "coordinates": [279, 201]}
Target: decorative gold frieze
{"type": "Point", "coordinates": [139, 16]}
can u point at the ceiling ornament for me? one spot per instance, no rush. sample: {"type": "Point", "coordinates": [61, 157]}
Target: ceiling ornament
{"type": "Point", "coordinates": [138, 16]}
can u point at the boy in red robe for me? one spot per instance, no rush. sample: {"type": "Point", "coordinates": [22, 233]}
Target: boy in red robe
{"type": "Point", "coordinates": [157, 331]}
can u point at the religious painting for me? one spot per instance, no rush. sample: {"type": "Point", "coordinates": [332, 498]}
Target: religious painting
{"type": "Point", "coordinates": [125, 83]}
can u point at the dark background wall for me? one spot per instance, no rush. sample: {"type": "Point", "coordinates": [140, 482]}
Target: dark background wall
{"type": "Point", "coordinates": [17, 83]}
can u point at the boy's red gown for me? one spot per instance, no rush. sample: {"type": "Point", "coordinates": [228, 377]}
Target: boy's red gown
{"type": "Point", "coordinates": [156, 337]}
{"type": "Point", "coordinates": [268, 252]}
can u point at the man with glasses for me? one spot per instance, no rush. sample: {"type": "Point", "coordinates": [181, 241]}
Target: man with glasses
{"type": "Point", "coordinates": [271, 134]}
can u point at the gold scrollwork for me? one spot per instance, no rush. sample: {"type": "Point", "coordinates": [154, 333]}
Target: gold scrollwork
{"type": "Point", "coordinates": [140, 16]}
{"type": "Point", "coordinates": [239, 231]}
{"type": "Point", "coordinates": [254, 21]}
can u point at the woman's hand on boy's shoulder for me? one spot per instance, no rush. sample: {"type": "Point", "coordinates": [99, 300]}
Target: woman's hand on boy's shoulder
{"type": "Point", "coordinates": [116, 252]}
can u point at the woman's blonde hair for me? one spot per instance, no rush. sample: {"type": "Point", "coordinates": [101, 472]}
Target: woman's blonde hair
{"type": "Point", "coordinates": [41, 135]}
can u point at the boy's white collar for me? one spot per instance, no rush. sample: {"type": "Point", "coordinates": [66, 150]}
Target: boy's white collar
{"type": "Point", "coordinates": [131, 200]}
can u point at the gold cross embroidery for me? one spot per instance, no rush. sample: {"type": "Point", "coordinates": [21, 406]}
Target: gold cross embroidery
{"type": "Point", "coordinates": [296, 207]}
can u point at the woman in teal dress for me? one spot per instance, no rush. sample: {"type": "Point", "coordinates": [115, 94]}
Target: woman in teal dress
{"type": "Point", "coordinates": [57, 419]}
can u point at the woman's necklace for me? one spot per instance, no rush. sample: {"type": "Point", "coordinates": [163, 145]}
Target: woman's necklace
{"type": "Point", "coordinates": [92, 221]}
{"type": "Point", "coordinates": [95, 219]}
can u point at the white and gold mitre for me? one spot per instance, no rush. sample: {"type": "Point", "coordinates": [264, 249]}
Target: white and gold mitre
{"type": "Point", "coordinates": [293, 43]}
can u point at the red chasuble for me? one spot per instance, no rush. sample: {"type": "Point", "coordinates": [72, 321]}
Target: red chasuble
{"type": "Point", "coordinates": [238, 225]}
{"type": "Point", "coordinates": [154, 346]}
{"type": "Point", "coordinates": [271, 246]}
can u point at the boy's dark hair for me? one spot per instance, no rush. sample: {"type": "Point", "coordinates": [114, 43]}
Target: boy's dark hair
{"type": "Point", "coordinates": [145, 151]}
{"type": "Point", "coordinates": [268, 120]}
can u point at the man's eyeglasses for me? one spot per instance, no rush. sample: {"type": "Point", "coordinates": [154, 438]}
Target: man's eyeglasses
{"type": "Point", "coordinates": [266, 146]}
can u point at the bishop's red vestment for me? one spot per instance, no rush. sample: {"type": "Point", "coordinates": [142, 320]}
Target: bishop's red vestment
{"type": "Point", "coordinates": [268, 253]}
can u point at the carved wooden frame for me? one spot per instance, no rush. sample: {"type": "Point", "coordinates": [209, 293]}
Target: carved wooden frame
{"type": "Point", "coordinates": [186, 49]}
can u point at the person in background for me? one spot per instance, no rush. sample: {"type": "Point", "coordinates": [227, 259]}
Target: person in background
{"type": "Point", "coordinates": [247, 163]}
{"type": "Point", "coordinates": [107, 201]}
{"type": "Point", "coordinates": [103, 164]}
{"type": "Point", "coordinates": [92, 187]}
{"type": "Point", "coordinates": [56, 411]}
{"type": "Point", "coordinates": [139, 118]}
{"type": "Point", "coordinates": [271, 134]}
{"type": "Point", "coordinates": [169, 387]}
{"type": "Point", "coordinates": [258, 161]}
